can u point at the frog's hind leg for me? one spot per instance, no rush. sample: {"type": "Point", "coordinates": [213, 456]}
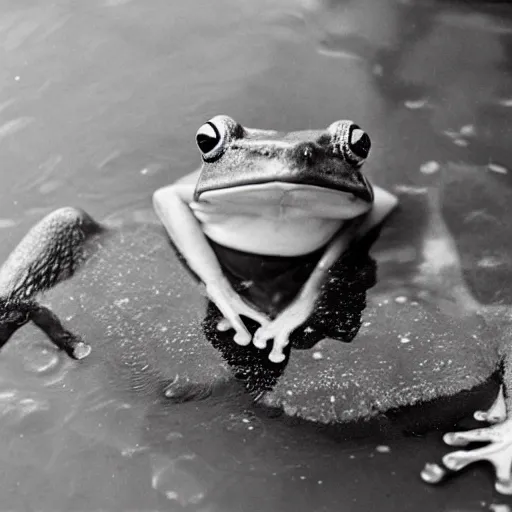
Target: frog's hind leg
{"type": "Point", "coordinates": [50, 252]}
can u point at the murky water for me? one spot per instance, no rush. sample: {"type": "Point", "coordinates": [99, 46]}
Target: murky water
{"type": "Point", "coordinates": [99, 104]}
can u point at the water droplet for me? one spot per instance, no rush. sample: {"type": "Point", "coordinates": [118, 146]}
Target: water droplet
{"type": "Point", "coordinates": [430, 167]}
{"type": "Point", "coordinates": [468, 130]}
{"type": "Point", "coordinates": [152, 169]}
{"type": "Point", "coordinates": [497, 168]}
{"type": "Point", "coordinates": [415, 104]}
{"type": "Point", "coordinates": [432, 473]}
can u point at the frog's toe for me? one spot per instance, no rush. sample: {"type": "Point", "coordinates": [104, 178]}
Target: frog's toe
{"type": "Point", "coordinates": [496, 413]}
{"type": "Point", "coordinates": [81, 350]}
{"type": "Point", "coordinates": [281, 341]}
{"type": "Point", "coordinates": [455, 461]}
{"type": "Point", "coordinates": [479, 435]}
{"type": "Point", "coordinates": [224, 325]}
{"type": "Point", "coordinates": [261, 337]}
{"type": "Point", "coordinates": [499, 454]}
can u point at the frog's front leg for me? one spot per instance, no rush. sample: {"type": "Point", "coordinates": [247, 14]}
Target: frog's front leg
{"type": "Point", "coordinates": [304, 304]}
{"type": "Point", "coordinates": [173, 206]}
{"type": "Point", "coordinates": [50, 252]}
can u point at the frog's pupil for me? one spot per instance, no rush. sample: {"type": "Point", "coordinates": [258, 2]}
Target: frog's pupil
{"type": "Point", "coordinates": [360, 142]}
{"type": "Point", "coordinates": [206, 143]}
{"type": "Point", "coordinates": [207, 137]}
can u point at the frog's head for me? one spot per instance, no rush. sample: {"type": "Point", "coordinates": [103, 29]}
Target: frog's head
{"type": "Point", "coordinates": [316, 171]}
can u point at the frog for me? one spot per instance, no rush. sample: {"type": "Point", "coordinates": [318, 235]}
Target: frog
{"type": "Point", "coordinates": [298, 195]}
{"type": "Point", "coordinates": [311, 387]}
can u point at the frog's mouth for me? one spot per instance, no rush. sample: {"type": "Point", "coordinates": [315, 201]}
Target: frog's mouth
{"type": "Point", "coordinates": [310, 200]}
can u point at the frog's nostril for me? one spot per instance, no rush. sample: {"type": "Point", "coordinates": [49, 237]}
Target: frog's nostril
{"type": "Point", "coordinates": [305, 152]}
{"type": "Point", "coordinates": [360, 142]}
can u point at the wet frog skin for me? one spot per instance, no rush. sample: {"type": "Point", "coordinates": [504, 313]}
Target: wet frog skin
{"type": "Point", "coordinates": [307, 388]}
{"type": "Point", "coordinates": [50, 253]}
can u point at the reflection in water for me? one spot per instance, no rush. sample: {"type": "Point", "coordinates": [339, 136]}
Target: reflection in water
{"type": "Point", "coordinates": [274, 283]}
{"type": "Point", "coordinates": [119, 87]}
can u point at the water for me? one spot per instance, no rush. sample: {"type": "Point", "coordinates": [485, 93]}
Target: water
{"type": "Point", "coordinates": [99, 104]}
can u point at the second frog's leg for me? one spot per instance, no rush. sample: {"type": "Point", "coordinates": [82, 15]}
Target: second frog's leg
{"type": "Point", "coordinates": [498, 447]}
{"type": "Point", "coordinates": [50, 253]}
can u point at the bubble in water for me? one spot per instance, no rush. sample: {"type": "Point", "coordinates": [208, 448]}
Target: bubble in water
{"type": "Point", "coordinates": [176, 483]}
{"type": "Point", "coordinates": [432, 473]}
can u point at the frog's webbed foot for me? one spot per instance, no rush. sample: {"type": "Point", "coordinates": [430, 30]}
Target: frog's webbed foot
{"type": "Point", "coordinates": [50, 252]}
{"type": "Point", "coordinates": [497, 451]}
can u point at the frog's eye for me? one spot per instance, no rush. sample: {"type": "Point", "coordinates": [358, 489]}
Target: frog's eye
{"type": "Point", "coordinates": [349, 141]}
{"type": "Point", "coordinates": [208, 138]}
{"type": "Point", "coordinates": [359, 142]}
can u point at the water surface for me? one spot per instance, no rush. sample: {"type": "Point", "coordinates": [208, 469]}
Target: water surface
{"type": "Point", "coordinates": [99, 104]}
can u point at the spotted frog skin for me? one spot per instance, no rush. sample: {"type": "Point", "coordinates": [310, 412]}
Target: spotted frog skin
{"type": "Point", "coordinates": [272, 194]}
